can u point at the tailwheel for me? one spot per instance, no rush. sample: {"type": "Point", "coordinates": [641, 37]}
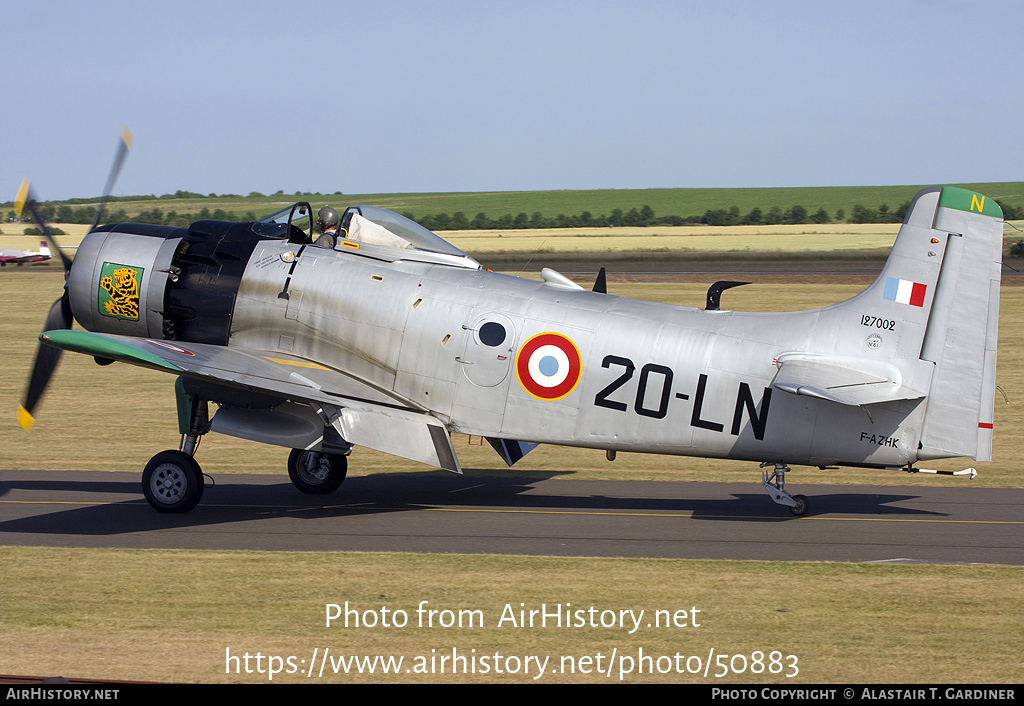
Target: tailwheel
{"type": "Point", "coordinates": [775, 485]}
{"type": "Point", "coordinates": [315, 472]}
{"type": "Point", "coordinates": [172, 482]}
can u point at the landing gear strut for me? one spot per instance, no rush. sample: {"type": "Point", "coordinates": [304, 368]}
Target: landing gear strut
{"type": "Point", "coordinates": [775, 486]}
{"type": "Point", "coordinates": [173, 480]}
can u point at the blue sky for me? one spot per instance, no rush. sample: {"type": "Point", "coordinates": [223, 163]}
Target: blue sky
{"type": "Point", "coordinates": [388, 96]}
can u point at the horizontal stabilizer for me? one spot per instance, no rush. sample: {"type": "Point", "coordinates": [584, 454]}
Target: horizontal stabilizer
{"type": "Point", "coordinates": [846, 381]}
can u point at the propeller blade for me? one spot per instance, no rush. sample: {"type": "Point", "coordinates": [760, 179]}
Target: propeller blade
{"type": "Point", "coordinates": [47, 357]}
{"type": "Point", "coordinates": [45, 363]}
{"type": "Point", "coordinates": [122, 152]}
{"type": "Point", "coordinates": [25, 199]}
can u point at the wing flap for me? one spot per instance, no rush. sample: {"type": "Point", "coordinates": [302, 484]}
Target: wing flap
{"type": "Point", "coordinates": [417, 437]}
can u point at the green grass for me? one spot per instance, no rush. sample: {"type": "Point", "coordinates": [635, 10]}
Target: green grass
{"type": "Point", "coordinates": [171, 615]}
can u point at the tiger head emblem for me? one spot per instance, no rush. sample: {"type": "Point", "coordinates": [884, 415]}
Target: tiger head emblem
{"type": "Point", "coordinates": [119, 291]}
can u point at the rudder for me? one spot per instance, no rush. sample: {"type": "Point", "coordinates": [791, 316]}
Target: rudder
{"type": "Point", "coordinates": [933, 312]}
{"type": "Point", "coordinates": [963, 328]}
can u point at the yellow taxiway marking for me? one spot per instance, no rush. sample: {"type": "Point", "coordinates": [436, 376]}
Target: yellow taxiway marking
{"type": "Point", "coordinates": [57, 502]}
{"type": "Point", "coordinates": [911, 519]}
{"type": "Point", "coordinates": [736, 517]}
{"type": "Point", "coordinates": [377, 508]}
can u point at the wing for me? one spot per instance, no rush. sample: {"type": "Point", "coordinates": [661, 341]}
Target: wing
{"type": "Point", "coordinates": [368, 415]}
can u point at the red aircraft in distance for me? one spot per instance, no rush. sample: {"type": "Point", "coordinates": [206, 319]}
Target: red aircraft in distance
{"type": "Point", "coordinates": [20, 257]}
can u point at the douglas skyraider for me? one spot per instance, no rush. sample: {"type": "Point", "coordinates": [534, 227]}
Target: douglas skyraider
{"type": "Point", "coordinates": [392, 338]}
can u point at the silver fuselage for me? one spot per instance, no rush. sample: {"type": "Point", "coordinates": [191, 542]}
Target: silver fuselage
{"type": "Point", "coordinates": [653, 377]}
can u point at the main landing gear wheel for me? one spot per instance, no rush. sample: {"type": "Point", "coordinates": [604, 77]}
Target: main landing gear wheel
{"type": "Point", "coordinates": [172, 482]}
{"type": "Point", "coordinates": [801, 505]}
{"type": "Point", "coordinates": [316, 473]}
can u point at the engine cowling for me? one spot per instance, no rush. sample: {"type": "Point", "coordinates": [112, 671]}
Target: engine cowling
{"type": "Point", "coordinates": [161, 282]}
{"type": "Point", "coordinates": [119, 278]}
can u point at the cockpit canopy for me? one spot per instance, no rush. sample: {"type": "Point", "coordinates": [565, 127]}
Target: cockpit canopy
{"type": "Point", "coordinates": [359, 224]}
{"type": "Point", "coordinates": [356, 219]}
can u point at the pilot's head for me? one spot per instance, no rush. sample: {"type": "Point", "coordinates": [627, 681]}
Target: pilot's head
{"type": "Point", "coordinates": [327, 219]}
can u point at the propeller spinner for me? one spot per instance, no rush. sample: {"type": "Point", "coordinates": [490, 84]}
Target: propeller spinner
{"type": "Point", "coordinates": [59, 317]}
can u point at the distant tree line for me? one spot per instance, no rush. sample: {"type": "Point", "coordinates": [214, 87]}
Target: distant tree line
{"type": "Point", "coordinates": [85, 214]}
{"type": "Point", "coordinates": [181, 220]}
{"type": "Point", "coordinates": [645, 216]}
{"type": "Point", "coordinates": [66, 212]}
{"type": "Point", "coordinates": [70, 211]}
{"type": "Point", "coordinates": [179, 194]}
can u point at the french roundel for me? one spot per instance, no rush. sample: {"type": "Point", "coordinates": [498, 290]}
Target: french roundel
{"type": "Point", "coordinates": [548, 366]}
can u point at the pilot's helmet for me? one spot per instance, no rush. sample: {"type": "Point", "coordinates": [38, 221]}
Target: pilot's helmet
{"type": "Point", "coordinates": [326, 218]}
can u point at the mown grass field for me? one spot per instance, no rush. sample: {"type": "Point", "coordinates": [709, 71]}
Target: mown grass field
{"type": "Point", "coordinates": [170, 615]}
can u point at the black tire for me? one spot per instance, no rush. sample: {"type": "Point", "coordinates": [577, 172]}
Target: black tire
{"type": "Point", "coordinates": [316, 473]}
{"type": "Point", "coordinates": [801, 505]}
{"type": "Point", "coordinates": [172, 482]}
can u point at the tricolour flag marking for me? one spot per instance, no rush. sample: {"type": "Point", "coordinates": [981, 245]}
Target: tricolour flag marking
{"type": "Point", "coordinates": [903, 291]}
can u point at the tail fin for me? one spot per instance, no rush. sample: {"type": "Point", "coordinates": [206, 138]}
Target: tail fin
{"type": "Point", "coordinates": [963, 328]}
{"type": "Point", "coordinates": [44, 249]}
{"type": "Point", "coordinates": [939, 294]}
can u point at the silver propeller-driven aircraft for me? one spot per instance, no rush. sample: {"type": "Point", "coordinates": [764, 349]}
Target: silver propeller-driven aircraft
{"type": "Point", "coordinates": [394, 339]}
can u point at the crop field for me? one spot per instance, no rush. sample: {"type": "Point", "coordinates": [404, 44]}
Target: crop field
{"type": "Point", "coordinates": [11, 236]}
{"type": "Point", "coordinates": [723, 239]}
{"type": "Point", "coordinates": [681, 202]}
{"type": "Point", "coordinates": [844, 237]}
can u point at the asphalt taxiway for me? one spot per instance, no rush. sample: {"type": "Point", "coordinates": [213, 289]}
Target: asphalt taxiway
{"type": "Point", "coordinates": [539, 516]}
